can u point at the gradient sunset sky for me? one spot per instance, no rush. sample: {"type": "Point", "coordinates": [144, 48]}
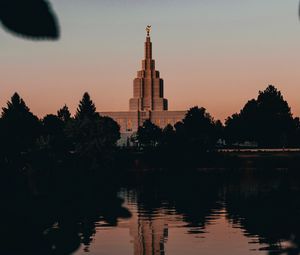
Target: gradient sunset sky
{"type": "Point", "coordinates": [211, 53]}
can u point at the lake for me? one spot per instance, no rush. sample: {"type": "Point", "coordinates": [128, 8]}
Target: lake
{"type": "Point", "coordinates": [237, 212]}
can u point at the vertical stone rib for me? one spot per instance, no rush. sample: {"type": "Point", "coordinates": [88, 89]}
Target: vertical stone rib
{"type": "Point", "coordinates": [148, 49]}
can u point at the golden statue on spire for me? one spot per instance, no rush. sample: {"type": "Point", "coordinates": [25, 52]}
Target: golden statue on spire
{"type": "Point", "coordinates": [148, 29]}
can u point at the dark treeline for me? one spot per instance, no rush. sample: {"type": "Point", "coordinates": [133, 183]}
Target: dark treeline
{"type": "Point", "coordinates": [184, 144]}
{"type": "Point", "coordinates": [58, 154]}
{"type": "Point", "coordinates": [265, 122]}
{"type": "Point", "coordinates": [196, 132]}
{"type": "Point", "coordinates": [92, 139]}
{"type": "Point", "coordinates": [89, 141]}
{"type": "Point", "coordinates": [87, 135]}
{"type": "Point", "coordinates": [54, 180]}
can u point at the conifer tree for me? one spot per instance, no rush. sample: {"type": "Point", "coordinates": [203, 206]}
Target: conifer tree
{"type": "Point", "coordinates": [20, 127]}
{"type": "Point", "coordinates": [16, 106]}
{"type": "Point", "coordinates": [93, 136]}
{"type": "Point", "coordinates": [64, 114]}
{"type": "Point", "coordinates": [86, 108]}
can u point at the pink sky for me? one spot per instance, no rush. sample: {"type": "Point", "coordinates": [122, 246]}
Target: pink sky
{"type": "Point", "coordinates": [209, 53]}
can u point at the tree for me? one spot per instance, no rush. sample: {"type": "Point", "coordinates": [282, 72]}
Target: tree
{"type": "Point", "coordinates": [242, 126]}
{"type": "Point", "coordinates": [199, 129]}
{"type": "Point", "coordinates": [148, 135]}
{"type": "Point", "coordinates": [85, 129]}
{"type": "Point", "coordinates": [266, 120]}
{"type": "Point", "coordinates": [110, 130]}
{"type": "Point", "coordinates": [274, 118]}
{"type": "Point", "coordinates": [93, 136]}
{"type": "Point", "coordinates": [64, 114]}
{"type": "Point", "coordinates": [86, 109]}
{"type": "Point", "coordinates": [96, 137]}
{"type": "Point", "coordinates": [233, 130]}
{"type": "Point", "coordinates": [20, 127]}
{"type": "Point", "coordinates": [53, 125]}
{"type": "Point", "coordinates": [168, 136]}
{"type": "Point", "coordinates": [219, 130]}
{"type": "Point", "coordinates": [2, 136]}
{"type": "Point", "coordinates": [296, 134]}
{"type": "Point", "coordinates": [54, 133]}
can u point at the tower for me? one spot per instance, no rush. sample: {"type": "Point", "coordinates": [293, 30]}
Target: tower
{"type": "Point", "coordinates": [148, 102]}
{"type": "Point", "coordinates": [148, 87]}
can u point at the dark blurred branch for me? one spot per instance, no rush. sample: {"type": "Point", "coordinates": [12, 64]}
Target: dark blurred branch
{"type": "Point", "coordinates": [33, 19]}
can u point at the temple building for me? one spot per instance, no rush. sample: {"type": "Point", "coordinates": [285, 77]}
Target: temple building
{"type": "Point", "coordinates": [148, 100]}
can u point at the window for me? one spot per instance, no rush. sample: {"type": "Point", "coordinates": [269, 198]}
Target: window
{"type": "Point", "coordinates": [129, 126]}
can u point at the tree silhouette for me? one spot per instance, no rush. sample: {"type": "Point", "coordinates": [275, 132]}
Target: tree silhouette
{"type": "Point", "coordinates": [52, 124]}
{"type": "Point", "coordinates": [233, 129]}
{"type": "Point", "coordinates": [198, 129]}
{"type": "Point", "coordinates": [20, 127]}
{"type": "Point", "coordinates": [110, 130]}
{"type": "Point", "coordinates": [168, 136]}
{"type": "Point", "coordinates": [93, 136]}
{"type": "Point", "coordinates": [148, 135]}
{"type": "Point", "coordinates": [296, 133]}
{"type": "Point", "coordinates": [219, 130]}
{"type": "Point", "coordinates": [31, 18]}
{"type": "Point", "coordinates": [86, 109]}
{"type": "Point", "coordinates": [274, 116]}
{"type": "Point", "coordinates": [2, 136]}
{"type": "Point", "coordinates": [266, 120]}
{"type": "Point", "coordinates": [64, 114]}
{"type": "Point", "coordinates": [243, 126]}
{"type": "Point", "coordinates": [85, 130]}
{"type": "Point", "coordinates": [54, 134]}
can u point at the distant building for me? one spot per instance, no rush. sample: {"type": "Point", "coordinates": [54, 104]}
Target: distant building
{"type": "Point", "coordinates": [148, 100]}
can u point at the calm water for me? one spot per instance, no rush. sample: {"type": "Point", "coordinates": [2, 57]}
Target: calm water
{"type": "Point", "coordinates": [155, 213]}
{"type": "Point", "coordinates": [252, 213]}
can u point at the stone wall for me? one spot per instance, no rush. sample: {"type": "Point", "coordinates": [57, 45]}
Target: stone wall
{"type": "Point", "coordinates": [131, 120]}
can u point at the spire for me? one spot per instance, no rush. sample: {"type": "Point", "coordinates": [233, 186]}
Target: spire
{"type": "Point", "coordinates": [148, 87]}
{"type": "Point", "coordinates": [148, 44]}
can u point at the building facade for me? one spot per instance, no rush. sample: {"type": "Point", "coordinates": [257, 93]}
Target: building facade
{"type": "Point", "coordinates": [148, 100]}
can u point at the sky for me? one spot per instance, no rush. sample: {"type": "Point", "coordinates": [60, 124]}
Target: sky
{"type": "Point", "coordinates": [215, 54]}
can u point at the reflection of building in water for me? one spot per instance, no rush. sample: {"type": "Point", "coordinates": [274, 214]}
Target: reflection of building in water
{"type": "Point", "coordinates": [148, 100]}
{"type": "Point", "coordinates": [149, 235]}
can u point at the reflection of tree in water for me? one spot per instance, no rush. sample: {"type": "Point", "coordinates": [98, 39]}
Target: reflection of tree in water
{"type": "Point", "coordinates": [268, 209]}
{"type": "Point", "coordinates": [191, 196]}
{"type": "Point", "coordinates": [196, 201]}
{"type": "Point", "coordinates": [164, 198]}
{"type": "Point", "coordinates": [265, 205]}
{"type": "Point", "coordinates": [56, 223]}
